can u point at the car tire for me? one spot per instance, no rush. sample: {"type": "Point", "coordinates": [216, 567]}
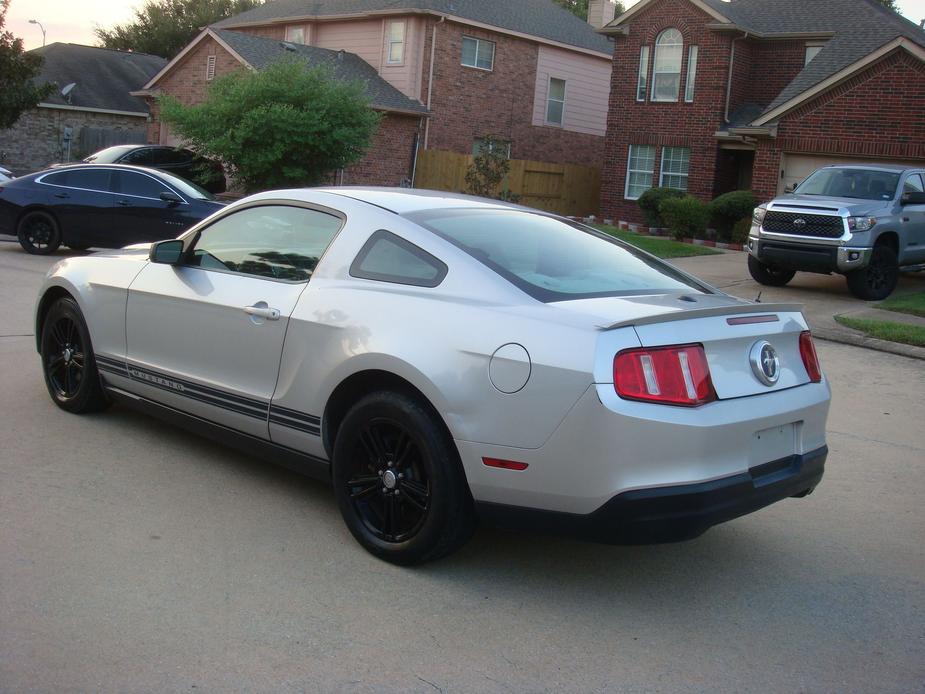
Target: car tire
{"type": "Point", "coordinates": [878, 280]}
{"type": "Point", "coordinates": [767, 275]}
{"type": "Point", "coordinates": [398, 481]}
{"type": "Point", "coordinates": [38, 233]}
{"type": "Point", "coordinates": [68, 363]}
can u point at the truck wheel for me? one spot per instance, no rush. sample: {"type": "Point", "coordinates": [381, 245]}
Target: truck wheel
{"type": "Point", "coordinates": [878, 280]}
{"type": "Point", "coordinates": [767, 275]}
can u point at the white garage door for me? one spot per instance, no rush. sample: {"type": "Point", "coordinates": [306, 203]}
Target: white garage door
{"type": "Point", "coordinates": [796, 167]}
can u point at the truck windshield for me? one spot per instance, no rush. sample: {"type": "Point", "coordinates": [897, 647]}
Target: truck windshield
{"type": "Point", "coordinates": [864, 184]}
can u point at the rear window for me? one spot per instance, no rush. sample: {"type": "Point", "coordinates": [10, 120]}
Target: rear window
{"type": "Point", "coordinates": [864, 184]}
{"type": "Point", "coordinates": [551, 259]}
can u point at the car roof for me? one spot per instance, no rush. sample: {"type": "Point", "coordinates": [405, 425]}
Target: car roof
{"type": "Point", "coordinates": [408, 200]}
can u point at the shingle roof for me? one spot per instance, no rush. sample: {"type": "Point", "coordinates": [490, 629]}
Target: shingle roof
{"type": "Point", "coordinates": [541, 18]}
{"type": "Point", "coordinates": [104, 77]}
{"type": "Point", "coordinates": [860, 27]}
{"type": "Point", "coordinates": [260, 52]}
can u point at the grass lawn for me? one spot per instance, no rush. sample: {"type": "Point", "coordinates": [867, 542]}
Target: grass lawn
{"type": "Point", "coordinates": [910, 303]}
{"type": "Point", "coordinates": [886, 330]}
{"type": "Point", "coordinates": [657, 246]}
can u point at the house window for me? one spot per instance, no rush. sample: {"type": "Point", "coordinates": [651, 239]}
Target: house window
{"type": "Point", "coordinates": [396, 42]}
{"type": "Point", "coordinates": [295, 35]}
{"type": "Point", "coordinates": [812, 50]}
{"type": "Point", "coordinates": [639, 170]}
{"type": "Point", "coordinates": [676, 162]}
{"type": "Point", "coordinates": [478, 53]}
{"type": "Point", "coordinates": [210, 68]}
{"type": "Point", "coordinates": [666, 78]}
{"type": "Point", "coordinates": [691, 73]}
{"type": "Point", "coordinates": [555, 101]}
{"type": "Point", "coordinates": [642, 81]}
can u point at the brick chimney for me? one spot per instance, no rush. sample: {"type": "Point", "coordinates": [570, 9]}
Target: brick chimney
{"type": "Point", "coordinates": [601, 12]}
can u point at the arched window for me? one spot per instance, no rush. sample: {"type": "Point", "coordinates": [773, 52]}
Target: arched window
{"type": "Point", "coordinates": [666, 78]}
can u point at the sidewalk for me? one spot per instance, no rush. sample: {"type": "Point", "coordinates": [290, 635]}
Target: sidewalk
{"type": "Point", "coordinates": [822, 296]}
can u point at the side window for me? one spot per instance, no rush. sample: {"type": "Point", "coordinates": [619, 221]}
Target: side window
{"type": "Point", "coordinates": [58, 179]}
{"type": "Point", "coordinates": [913, 184]}
{"type": "Point", "coordinates": [389, 258]}
{"type": "Point", "coordinates": [139, 185]}
{"type": "Point", "coordinates": [138, 156]}
{"type": "Point", "coordinates": [90, 179]}
{"type": "Point", "coordinates": [276, 241]}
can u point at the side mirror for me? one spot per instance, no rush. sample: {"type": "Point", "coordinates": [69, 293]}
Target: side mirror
{"type": "Point", "coordinates": [790, 188]}
{"type": "Point", "coordinates": [170, 198]}
{"type": "Point", "coordinates": [166, 252]}
{"type": "Point", "coordinates": [913, 197]}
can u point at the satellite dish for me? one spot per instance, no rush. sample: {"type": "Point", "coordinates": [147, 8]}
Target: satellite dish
{"type": "Point", "coordinates": [67, 89]}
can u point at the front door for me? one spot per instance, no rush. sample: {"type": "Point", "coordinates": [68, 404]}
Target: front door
{"type": "Point", "coordinates": [206, 336]}
{"type": "Point", "coordinates": [913, 217]}
{"type": "Point", "coordinates": [143, 215]}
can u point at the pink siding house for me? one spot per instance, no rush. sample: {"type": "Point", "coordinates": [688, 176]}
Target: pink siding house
{"type": "Point", "coordinates": [444, 74]}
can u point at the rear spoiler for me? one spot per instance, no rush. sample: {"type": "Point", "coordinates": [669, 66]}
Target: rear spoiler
{"type": "Point", "coordinates": [707, 313]}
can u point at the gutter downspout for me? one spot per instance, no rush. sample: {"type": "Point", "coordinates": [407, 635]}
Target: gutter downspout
{"type": "Point", "coordinates": [430, 77]}
{"type": "Point", "coordinates": [732, 57]}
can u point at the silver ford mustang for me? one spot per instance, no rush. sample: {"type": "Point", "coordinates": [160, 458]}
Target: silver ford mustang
{"type": "Point", "coordinates": [445, 359]}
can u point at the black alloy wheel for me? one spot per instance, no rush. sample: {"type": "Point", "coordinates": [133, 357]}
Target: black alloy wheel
{"type": "Point", "coordinates": [67, 360]}
{"type": "Point", "coordinates": [389, 487]}
{"type": "Point", "coordinates": [38, 233]}
{"type": "Point", "coordinates": [878, 280]}
{"type": "Point", "coordinates": [399, 482]}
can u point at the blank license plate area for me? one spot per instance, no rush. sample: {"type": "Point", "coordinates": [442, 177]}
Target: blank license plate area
{"type": "Point", "coordinates": [772, 444]}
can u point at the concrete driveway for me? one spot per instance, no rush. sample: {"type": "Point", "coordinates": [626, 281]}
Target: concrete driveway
{"type": "Point", "coordinates": [134, 557]}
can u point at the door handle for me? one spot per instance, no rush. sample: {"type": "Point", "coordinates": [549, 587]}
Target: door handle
{"type": "Point", "coordinates": [62, 195]}
{"type": "Point", "coordinates": [123, 203]}
{"type": "Point", "coordinates": [262, 311]}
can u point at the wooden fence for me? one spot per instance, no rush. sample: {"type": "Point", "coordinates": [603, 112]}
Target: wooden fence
{"type": "Point", "coordinates": [561, 188]}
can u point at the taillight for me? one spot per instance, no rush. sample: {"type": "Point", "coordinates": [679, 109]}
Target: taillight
{"type": "Point", "coordinates": [675, 375]}
{"type": "Point", "coordinates": [808, 355]}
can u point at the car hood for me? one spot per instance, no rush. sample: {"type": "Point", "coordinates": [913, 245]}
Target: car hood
{"type": "Point", "coordinates": [852, 206]}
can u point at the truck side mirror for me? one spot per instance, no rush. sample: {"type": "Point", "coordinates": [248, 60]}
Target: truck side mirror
{"type": "Point", "coordinates": [790, 188]}
{"type": "Point", "coordinates": [912, 197]}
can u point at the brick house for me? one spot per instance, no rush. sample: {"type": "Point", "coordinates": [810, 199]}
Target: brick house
{"type": "Point", "coordinates": [444, 73]}
{"type": "Point", "coordinates": [711, 96]}
{"type": "Point", "coordinates": [96, 112]}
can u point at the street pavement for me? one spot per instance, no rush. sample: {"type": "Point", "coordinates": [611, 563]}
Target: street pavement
{"type": "Point", "coordinates": [135, 557]}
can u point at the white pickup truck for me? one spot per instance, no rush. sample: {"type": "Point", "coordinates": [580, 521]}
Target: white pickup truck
{"type": "Point", "coordinates": [864, 222]}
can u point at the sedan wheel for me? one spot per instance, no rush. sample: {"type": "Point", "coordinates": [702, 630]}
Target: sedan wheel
{"type": "Point", "coordinates": [67, 360]}
{"type": "Point", "coordinates": [398, 481]}
{"type": "Point", "coordinates": [38, 233]}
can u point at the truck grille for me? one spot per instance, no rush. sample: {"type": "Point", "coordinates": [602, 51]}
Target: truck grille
{"type": "Point", "coordinates": [818, 225]}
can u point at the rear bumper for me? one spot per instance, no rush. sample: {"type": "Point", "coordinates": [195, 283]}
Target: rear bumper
{"type": "Point", "coordinates": [672, 513]}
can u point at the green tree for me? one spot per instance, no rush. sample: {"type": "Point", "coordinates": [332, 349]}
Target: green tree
{"type": "Point", "coordinates": [285, 125]}
{"type": "Point", "coordinates": [579, 8]}
{"type": "Point", "coordinates": [165, 27]}
{"type": "Point", "coordinates": [18, 70]}
{"type": "Point", "coordinates": [889, 4]}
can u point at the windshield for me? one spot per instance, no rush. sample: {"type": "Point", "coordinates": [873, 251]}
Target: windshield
{"type": "Point", "coordinates": [110, 155]}
{"type": "Point", "coordinates": [188, 188]}
{"type": "Point", "coordinates": [864, 184]}
{"type": "Point", "coordinates": [551, 259]}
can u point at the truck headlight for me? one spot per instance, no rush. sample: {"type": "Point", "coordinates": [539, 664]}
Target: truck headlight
{"type": "Point", "coordinates": [861, 223]}
{"type": "Point", "coordinates": [758, 215]}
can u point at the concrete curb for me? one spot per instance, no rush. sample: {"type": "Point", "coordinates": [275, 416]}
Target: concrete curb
{"type": "Point", "coordinates": [846, 336]}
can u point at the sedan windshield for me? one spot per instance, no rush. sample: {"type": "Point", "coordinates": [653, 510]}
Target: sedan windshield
{"type": "Point", "coordinates": [188, 188]}
{"type": "Point", "coordinates": [551, 259]}
{"type": "Point", "coordinates": [864, 184]}
{"type": "Point", "coordinates": [110, 155]}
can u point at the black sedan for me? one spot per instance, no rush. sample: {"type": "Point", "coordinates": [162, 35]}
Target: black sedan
{"type": "Point", "coordinates": [102, 206]}
{"type": "Point", "coordinates": [179, 161]}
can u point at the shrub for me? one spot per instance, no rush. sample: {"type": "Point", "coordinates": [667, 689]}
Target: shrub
{"type": "Point", "coordinates": [485, 176]}
{"type": "Point", "coordinates": [728, 209]}
{"type": "Point", "coordinates": [686, 217]}
{"type": "Point", "coordinates": [650, 203]}
{"type": "Point", "coordinates": [741, 229]}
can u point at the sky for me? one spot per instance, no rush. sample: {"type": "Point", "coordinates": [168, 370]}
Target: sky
{"type": "Point", "coordinates": [72, 21]}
